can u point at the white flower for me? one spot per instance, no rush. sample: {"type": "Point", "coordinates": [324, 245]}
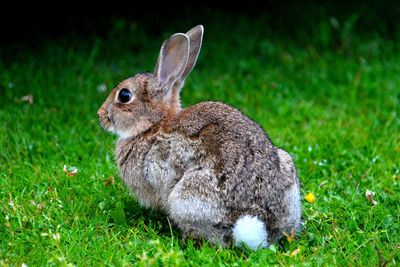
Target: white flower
{"type": "Point", "coordinates": [70, 170]}
{"type": "Point", "coordinates": [369, 195]}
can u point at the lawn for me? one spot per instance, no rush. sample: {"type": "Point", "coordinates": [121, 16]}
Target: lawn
{"type": "Point", "coordinates": [329, 94]}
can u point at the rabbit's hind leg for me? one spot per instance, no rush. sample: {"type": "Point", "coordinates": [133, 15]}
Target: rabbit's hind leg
{"type": "Point", "coordinates": [195, 207]}
{"type": "Point", "coordinates": [290, 220]}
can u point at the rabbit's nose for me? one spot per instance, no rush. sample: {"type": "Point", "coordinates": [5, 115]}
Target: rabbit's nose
{"type": "Point", "coordinates": [104, 118]}
{"type": "Point", "coordinates": [102, 112]}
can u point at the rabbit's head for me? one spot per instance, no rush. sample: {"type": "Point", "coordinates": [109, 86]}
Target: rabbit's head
{"type": "Point", "coordinates": [139, 102]}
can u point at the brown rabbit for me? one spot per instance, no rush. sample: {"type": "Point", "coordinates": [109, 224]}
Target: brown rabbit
{"type": "Point", "coordinates": [212, 169]}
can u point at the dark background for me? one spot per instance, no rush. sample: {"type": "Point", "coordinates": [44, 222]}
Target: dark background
{"type": "Point", "coordinates": [32, 23]}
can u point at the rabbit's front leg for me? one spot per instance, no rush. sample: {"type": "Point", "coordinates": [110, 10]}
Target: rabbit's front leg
{"type": "Point", "coordinates": [195, 207]}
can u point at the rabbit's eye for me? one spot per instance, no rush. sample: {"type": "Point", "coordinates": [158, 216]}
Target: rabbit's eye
{"type": "Point", "coordinates": [124, 95]}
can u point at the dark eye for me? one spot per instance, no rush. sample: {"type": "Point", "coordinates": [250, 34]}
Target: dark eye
{"type": "Point", "coordinates": [124, 95]}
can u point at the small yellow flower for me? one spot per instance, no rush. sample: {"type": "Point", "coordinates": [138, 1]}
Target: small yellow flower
{"type": "Point", "coordinates": [289, 237]}
{"type": "Point", "coordinates": [310, 197]}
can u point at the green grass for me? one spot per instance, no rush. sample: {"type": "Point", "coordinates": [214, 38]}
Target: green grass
{"type": "Point", "coordinates": [332, 100]}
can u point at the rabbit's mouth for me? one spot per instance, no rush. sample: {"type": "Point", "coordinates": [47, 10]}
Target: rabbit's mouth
{"type": "Point", "coordinates": [108, 124]}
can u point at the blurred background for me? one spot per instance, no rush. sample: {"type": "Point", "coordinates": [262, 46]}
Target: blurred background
{"type": "Point", "coordinates": [322, 21]}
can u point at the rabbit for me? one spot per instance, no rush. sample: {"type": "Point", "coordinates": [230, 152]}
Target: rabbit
{"type": "Point", "coordinates": [209, 167]}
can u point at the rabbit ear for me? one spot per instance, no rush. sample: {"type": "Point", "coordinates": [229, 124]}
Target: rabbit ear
{"type": "Point", "coordinates": [172, 60]}
{"type": "Point", "coordinates": [195, 39]}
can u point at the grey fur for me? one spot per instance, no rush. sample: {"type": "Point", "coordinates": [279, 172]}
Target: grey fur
{"type": "Point", "coordinates": [206, 165]}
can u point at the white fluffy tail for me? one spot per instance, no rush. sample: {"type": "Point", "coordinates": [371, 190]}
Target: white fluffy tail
{"type": "Point", "coordinates": [251, 231]}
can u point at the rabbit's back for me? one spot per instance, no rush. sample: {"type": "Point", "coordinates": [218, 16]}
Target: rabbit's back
{"type": "Point", "coordinates": [252, 173]}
